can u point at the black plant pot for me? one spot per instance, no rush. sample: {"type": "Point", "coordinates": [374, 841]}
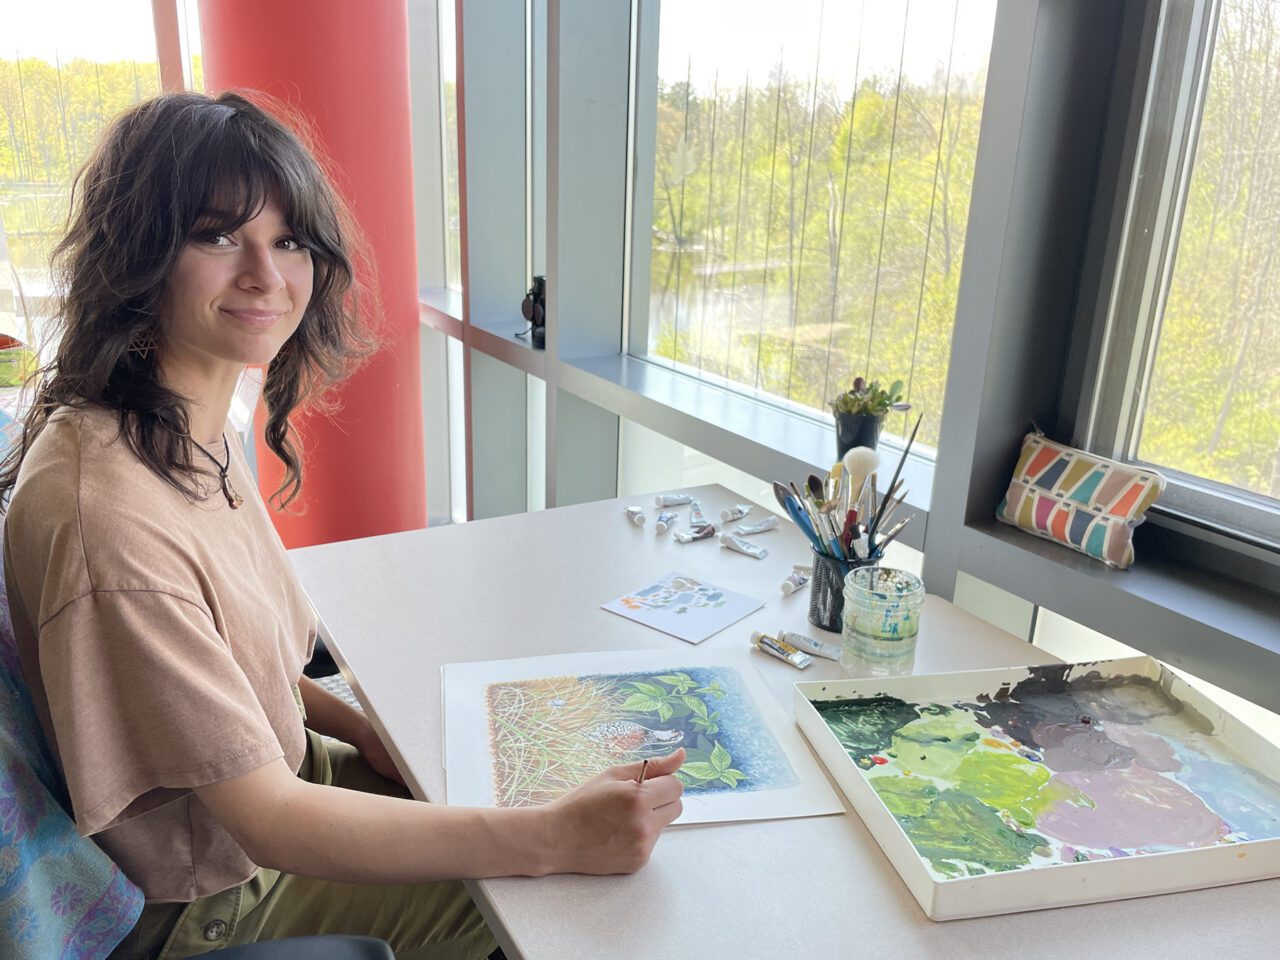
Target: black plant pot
{"type": "Point", "coordinates": [856, 430]}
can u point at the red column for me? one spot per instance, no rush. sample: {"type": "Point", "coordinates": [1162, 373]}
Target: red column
{"type": "Point", "coordinates": [345, 66]}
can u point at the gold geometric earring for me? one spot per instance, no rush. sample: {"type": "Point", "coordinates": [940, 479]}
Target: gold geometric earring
{"type": "Point", "coordinates": [142, 346]}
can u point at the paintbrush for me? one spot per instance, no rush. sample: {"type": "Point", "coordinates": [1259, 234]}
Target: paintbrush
{"type": "Point", "coordinates": [875, 521]}
{"type": "Point", "coordinates": [892, 535]}
{"type": "Point", "coordinates": [807, 508]}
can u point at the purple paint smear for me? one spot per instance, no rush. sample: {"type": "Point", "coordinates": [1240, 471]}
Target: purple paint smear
{"type": "Point", "coordinates": [1134, 808]}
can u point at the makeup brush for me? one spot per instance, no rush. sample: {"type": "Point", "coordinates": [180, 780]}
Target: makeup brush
{"type": "Point", "coordinates": [859, 463]}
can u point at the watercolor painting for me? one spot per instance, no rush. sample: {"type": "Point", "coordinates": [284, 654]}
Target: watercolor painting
{"type": "Point", "coordinates": [1053, 771]}
{"type": "Point", "coordinates": [549, 735]}
{"type": "Point", "coordinates": [684, 607]}
{"type": "Point", "coordinates": [524, 732]}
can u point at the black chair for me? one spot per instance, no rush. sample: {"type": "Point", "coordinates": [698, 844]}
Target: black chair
{"type": "Point", "coordinates": [332, 947]}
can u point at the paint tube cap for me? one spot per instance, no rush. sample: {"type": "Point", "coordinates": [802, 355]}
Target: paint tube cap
{"type": "Point", "coordinates": [662, 526]}
{"type": "Point", "coordinates": [757, 636]}
{"type": "Point", "coordinates": [788, 587]}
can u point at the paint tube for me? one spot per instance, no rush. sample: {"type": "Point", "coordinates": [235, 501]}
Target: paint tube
{"type": "Point", "coordinates": [768, 523]}
{"type": "Point", "coordinates": [635, 515]}
{"type": "Point", "coordinates": [697, 519]}
{"type": "Point", "coordinates": [671, 499]}
{"type": "Point", "coordinates": [665, 519]}
{"type": "Point", "coordinates": [799, 576]}
{"type": "Point", "coordinates": [730, 542]}
{"type": "Point", "coordinates": [819, 648]}
{"type": "Point", "coordinates": [736, 512]}
{"type": "Point", "coordinates": [702, 533]}
{"type": "Point", "coordinates": [783, 651]}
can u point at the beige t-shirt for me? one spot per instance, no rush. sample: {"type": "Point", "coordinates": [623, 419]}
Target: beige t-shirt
{"type": "Point", "coordinates": [162, 640]}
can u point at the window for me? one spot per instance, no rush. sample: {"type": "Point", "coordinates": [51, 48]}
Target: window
{"type": "Point", "coordinates": [803, 219]}
{"type": "Point", "coordinates": [68, 69]}
{"type": "Point", "coordinates": [449, 140]}
{"type": "Point", "coordinates": [1190, 366]}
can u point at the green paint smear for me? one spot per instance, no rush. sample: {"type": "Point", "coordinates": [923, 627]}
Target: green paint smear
{"type": "Point", "coordinates": [904, 796]}
{"type": "Point", "coordinates": [935, 744]}
{"type": "Point", "coordinates": [1005, 781]}
{"type": "Point", "coordinates": [866, 727]}
{"type": "Point", "coordinates": [962, 836]}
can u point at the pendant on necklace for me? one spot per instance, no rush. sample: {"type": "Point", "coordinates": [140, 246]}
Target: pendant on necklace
{"type": "Point", "coordinates": [234, 499]}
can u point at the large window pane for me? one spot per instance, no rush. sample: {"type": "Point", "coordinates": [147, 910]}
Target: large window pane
{"type": "Point", "coordinates": [1212, 406]}
{"type": "Point", "coordinates": [66, 70]}
{"type": "Point", "coordinates": [811, 188]}
{"type": "Point", "coordinates": [449, 110]}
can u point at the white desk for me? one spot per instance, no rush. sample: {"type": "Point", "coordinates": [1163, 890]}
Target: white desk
{"type": "Point", "coordinates": [397, 607]}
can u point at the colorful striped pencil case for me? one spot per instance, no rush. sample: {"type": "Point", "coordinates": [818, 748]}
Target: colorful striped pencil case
{"type": "Point", "coordinates": [1078, 499]}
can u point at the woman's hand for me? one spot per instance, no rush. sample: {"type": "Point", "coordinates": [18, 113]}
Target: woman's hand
{"type": "Point", "coordinates": [610, 823]}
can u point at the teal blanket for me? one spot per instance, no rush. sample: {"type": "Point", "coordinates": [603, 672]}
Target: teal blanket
{"type": "Point", "coordinates": [60, 895]}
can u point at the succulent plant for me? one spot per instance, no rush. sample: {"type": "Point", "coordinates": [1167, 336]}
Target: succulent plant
{"type": "Point", "coordinates": [869, 398]}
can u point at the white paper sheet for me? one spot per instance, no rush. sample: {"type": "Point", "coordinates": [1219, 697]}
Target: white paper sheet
{"type": "Point", "coordinates": [684, 607]}
{"type": "Point", "coordinates": [509, 722]}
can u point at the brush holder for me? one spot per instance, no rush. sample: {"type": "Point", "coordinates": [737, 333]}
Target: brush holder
{"type": "Point", "coordinates": [826, 592]}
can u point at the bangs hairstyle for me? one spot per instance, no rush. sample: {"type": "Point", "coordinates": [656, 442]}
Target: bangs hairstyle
{"type": "Point", "coordinates": [172, 169]}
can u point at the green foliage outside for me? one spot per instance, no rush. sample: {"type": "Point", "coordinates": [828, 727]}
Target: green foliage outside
{"type": "Point", "coordinates": [1213, 407]}
{"type": "Point", "coordinates": [770, 205]}
{"type": "Point", "coordinates": [801, 239]}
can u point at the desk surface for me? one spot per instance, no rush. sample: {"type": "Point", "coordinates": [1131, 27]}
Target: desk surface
{"type": "Point", "coordinates": [398, 607]}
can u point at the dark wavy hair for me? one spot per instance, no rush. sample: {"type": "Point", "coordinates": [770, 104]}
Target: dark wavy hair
{"type": "Point", "coordinates": [165, 170]}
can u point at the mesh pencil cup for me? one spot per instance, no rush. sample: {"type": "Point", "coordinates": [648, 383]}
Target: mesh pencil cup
{"type": "Point", "coordinates": [881, 613]}
{"type": "Point", "coordinates": [826, 592]}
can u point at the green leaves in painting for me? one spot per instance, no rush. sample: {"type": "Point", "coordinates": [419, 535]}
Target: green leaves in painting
{"type": "Point", "coordinates": [717, 767]}
{"type": "Point", "coordinates": [677, 702]}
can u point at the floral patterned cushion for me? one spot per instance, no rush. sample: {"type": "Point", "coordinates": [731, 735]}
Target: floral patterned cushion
{"type": "Point", "coordinates": [60, 895]}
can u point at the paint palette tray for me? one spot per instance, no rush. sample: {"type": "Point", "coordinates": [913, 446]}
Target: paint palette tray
{"type": "Point", "coordinates": [998, 791]}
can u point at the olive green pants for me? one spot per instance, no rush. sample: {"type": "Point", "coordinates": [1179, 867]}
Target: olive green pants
{"type": "Point", "coordinates": [419, 920]}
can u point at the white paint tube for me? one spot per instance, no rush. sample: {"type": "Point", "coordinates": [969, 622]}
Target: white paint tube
{"type": "Point", "coordinates": [736, 512]}
{"type": "Point", "coordinates": [799, 576]}
{"type": "Point", "coordinates": [665, 519]}
{"type": "Point", "coordinates": [702, 533]}
{"type": "Point", "coordinates": [820, 648]}
{"type": "Point", "coordinates": [730, 542]}
{"type": "Point", "coordinates": [697, 518]}
{"type": "Point", "coordinates": [671, 499]}
{"type": "Point", "coordinates": [783, 651]}
{"type": "Point", "coordinates": [768, 523]}
{"type": "Point", "coordinates": [635, 515]}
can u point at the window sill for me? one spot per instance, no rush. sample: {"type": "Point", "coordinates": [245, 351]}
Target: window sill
{"type": "Point", "coordinates": [755, 437]}
{"type": "Point", "coordinates": [1224, 630]}
{"type": "Point", "coordinates": [441, 309]}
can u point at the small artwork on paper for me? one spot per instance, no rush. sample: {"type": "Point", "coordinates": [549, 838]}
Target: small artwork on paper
{"type": "Point", "coordinates": [546, 734]}
{"type": "Point", "coordinates": [684, 607]}
{"type": "Point", "coordinates": [1053, 772]}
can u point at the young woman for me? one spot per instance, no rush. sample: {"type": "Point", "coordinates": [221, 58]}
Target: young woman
{"type": "Point", "coordinates": [159, 624]}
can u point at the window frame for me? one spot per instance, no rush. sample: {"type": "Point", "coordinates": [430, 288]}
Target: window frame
{"type": "Point", "coordinates": [1161, 131]}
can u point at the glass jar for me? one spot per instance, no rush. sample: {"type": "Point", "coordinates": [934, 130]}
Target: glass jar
{"type": "Point", "coordinates": [881, 614]}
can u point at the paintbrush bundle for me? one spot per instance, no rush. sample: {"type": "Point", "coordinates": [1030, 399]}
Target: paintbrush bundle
{"type": "Point", "coordinates": [843, 515]}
